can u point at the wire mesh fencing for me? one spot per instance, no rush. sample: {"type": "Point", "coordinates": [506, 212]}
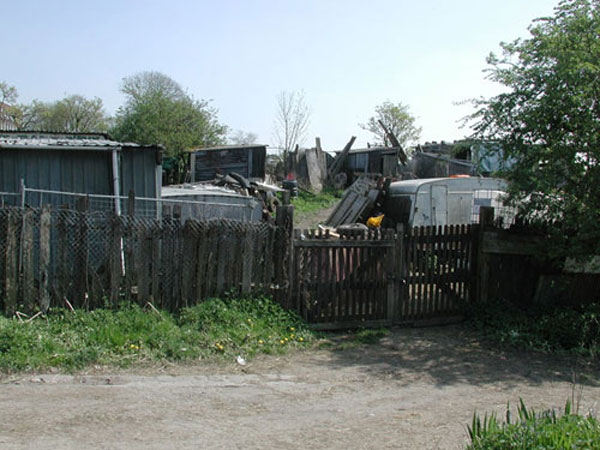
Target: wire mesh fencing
{"type": "Point", "coordinates": [94, 259]}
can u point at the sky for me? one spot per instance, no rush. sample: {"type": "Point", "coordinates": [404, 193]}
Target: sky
{"type": "Point", "coordinates": [346, 56]}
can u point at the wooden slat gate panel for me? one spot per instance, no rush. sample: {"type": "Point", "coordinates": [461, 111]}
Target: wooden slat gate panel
{"type": "Point", "coordinates": [346, 282]}
{"type": "Point", "coordinates": [439, 272]}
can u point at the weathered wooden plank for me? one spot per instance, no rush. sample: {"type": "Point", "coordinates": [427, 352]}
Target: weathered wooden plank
{"type": "Point", "coordinates": [44, 276]}
{"type": "Point", "coordinates": [223, 254]}
{"type": "Point", "coordinates": [504, 243]}
{"type": "Point", "coordinates": [29, 293]}
{"type": "Point", "coordinates": [189, 259]}
{"type": "Point", "coordinates": [247, 261]}
{"type": "Point", "coordinates": [11, 264]}
{"type": "Point", "coordinates": [143, 260]}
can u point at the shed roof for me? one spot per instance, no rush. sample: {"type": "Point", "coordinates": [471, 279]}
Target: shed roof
{"type": "Point", "coordinates": [229, 147]}
{"type": "Point", "coordinates": [385, 150]}
{"type": "Point", "coordinates": [59, 141]}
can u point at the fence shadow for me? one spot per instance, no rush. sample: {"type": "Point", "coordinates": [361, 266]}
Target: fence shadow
{"type": "Point", "coordinates": [453, 355]}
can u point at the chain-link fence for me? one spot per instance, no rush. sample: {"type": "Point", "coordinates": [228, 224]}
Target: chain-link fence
{"type": "Point", "coordinates": [93, 259]}
{"type": "Point", "coordinates": [237, 208]}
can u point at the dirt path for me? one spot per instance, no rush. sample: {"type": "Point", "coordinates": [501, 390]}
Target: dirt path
{"type": "Point", "coordinates": [417, 389]}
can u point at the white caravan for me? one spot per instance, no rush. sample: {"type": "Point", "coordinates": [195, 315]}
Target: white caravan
{"type": "Point", "coordinates": [444, 201]}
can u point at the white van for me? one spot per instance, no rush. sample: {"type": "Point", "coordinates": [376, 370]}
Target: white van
{"type": "Point", "coordinates": [444, 201]}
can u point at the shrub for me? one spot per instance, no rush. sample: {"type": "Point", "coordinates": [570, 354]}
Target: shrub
{"type": "Point", "coordinates": [572, 329]}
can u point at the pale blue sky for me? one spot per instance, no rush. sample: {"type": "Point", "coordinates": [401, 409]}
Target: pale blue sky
{"type": "Point", "coordinates": [347, 56]}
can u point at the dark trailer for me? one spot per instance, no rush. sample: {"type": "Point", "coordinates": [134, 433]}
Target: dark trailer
{"type": "Point", "coordinates": [246, 160]}
{"type": "Point", "coordinates": [53, 166]}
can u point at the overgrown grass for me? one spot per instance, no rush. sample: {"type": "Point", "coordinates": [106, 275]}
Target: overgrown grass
{"type": "Point", "coordinates": [530, 430]}
{"type": "Point", "coordinates": [130, 335]}
{"type": "Point", "coordinates": [307, 203]}
{"type": "Point", "coordinates": [548, 330]}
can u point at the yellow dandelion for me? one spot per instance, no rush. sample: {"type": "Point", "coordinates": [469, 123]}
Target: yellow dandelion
{"type": "Point", "coordinates": [292, 329]}
{"type": "Point", "coordinates": [292, 336]}
{"type": "Point", "coordinates": [282, 342]}
{"type": "Point", "coordinates": [260, 341]}
{"type": "Point", "coordinates": [301, 339]}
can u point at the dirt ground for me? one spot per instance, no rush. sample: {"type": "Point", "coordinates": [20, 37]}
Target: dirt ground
{"type": "Point", "coordinates": [416, 389]}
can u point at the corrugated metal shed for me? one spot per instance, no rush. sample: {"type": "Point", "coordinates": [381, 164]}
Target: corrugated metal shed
{"type": "Point", "coordinates": [80, 163]}
{"type": "Point", "coordinates": [246, 160]}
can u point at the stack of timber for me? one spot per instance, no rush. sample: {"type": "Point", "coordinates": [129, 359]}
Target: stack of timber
{"type": "Point", "coordinates": [357, 201]}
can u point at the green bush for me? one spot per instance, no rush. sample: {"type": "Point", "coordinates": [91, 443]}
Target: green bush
{"type": "Point", "coordinates": [571, 329]}
{"type": "Point", "coordinates": [131, 335]}
{"type": "Point", "coordinates": [530, 430]}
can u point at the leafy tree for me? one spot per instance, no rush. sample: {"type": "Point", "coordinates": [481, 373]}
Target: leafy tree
{"type": "Point", "coordinates": [72, 114]}
{"type": "Point", "coordinates": [397, 119]}
{"type": "Point", "coordinates": [158, 111]}
{"type": "Point", "coordinates": [548, 120]}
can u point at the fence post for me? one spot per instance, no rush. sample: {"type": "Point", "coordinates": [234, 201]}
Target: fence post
{"type": "Point", "coordinates": [284, 218]}
{"type": "Point", "coordinates": [486, 220]}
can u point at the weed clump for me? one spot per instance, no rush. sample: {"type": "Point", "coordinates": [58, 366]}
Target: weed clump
{"type": "Point", "coordinates": [530, 430]}
{"type": "Point", "coordinates": [132, 335]}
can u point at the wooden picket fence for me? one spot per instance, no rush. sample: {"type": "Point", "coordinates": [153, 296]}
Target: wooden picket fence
{"type": "Point", "coordinates": [382, 277]}
{"type": "Point", "coordinates": [48, 257]}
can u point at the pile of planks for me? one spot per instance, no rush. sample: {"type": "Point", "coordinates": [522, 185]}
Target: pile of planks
{"type": "Point", "coordinates": [358, 200]}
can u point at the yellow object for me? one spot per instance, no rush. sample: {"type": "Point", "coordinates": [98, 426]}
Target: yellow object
{"type": "Point", "coordinates": [375, 222]}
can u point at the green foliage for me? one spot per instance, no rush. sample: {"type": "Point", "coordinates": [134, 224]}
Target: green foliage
{"type": "Point", "coordinates": [158, 111]}
{"type": "Point", "coordinates": [530, 430]}
{"type": "Point", "coordinates": [307, 203]}
{"type": "Point", "coordinates": [548, 121]}
{"type": "Point", "coordinates": [131, 335]}
{"type": "Point", "coordinates": [549, 330]}
{"type": "Point", "coordinates": [72, 114]}
{"type": "Point", "coordinates": [397, 119]}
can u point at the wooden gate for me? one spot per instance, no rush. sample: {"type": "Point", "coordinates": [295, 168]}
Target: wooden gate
{"type": "Point", "coordinates": [438, 273]}
{"type": "Point", "coordinates": [345, 282]}
{"type": "Point", "coordinates": [422, 276]}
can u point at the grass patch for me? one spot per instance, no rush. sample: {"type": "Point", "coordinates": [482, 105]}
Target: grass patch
{"type": "Point", "coordinates": [130, 335]}
{"type": "Point", "coordinates": [549, 330]}
{"type": "Point", "coordinates": [530, 430]}
{"type": "Point", "coordinates": [358, 338]}
{"type": "Point", "coordinates": [307, 203]}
